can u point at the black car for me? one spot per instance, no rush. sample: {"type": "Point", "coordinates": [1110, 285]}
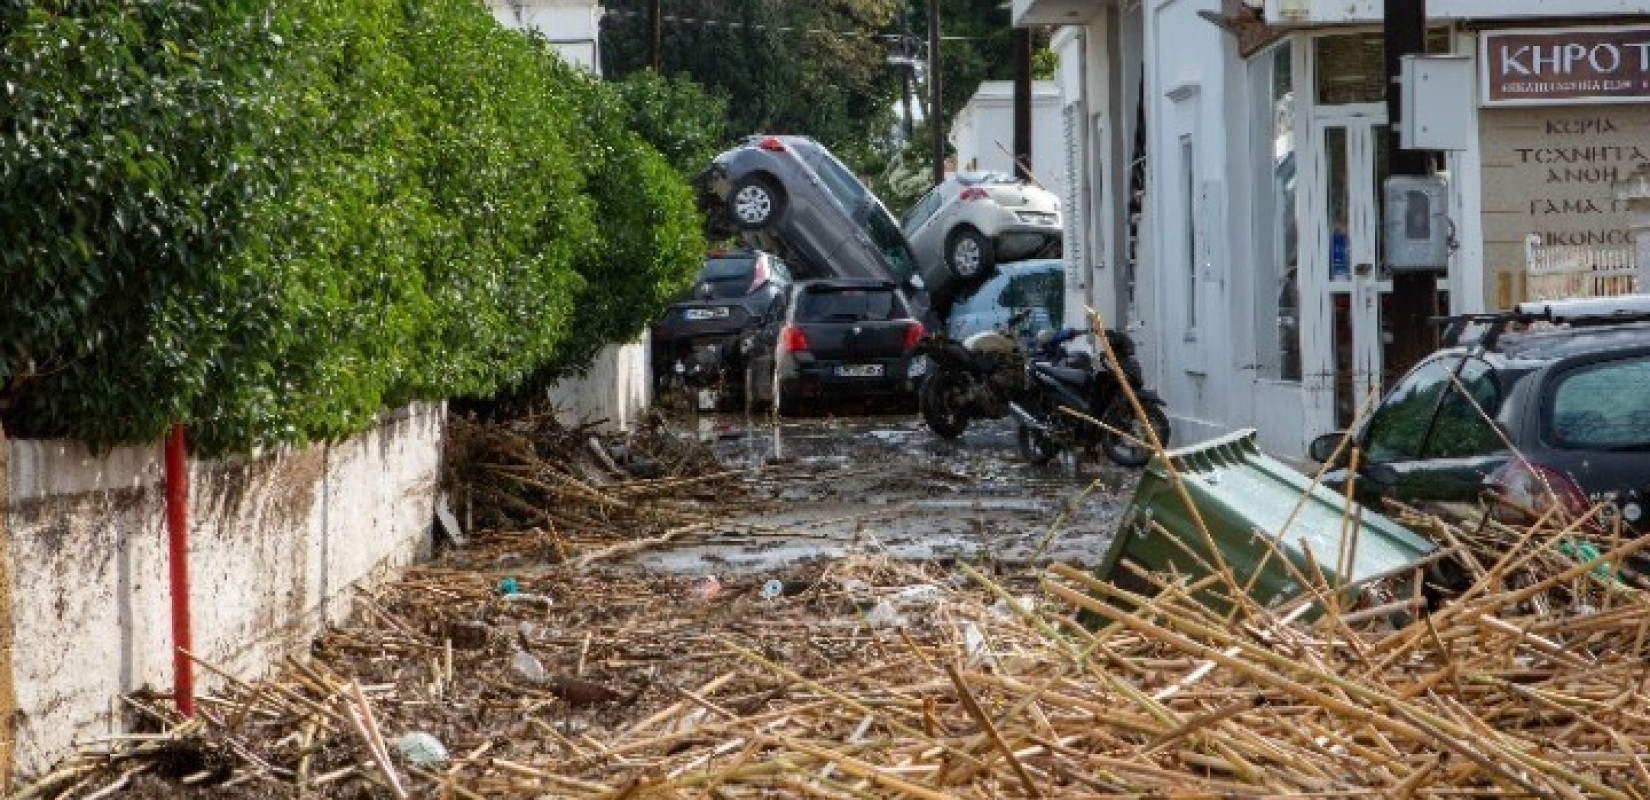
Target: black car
{"type": "Point", "coordinates": [790, 195]}
{"type": "Point", "coordinates": [845, 338]}
{"type": "Point", "coordinates": [1566, 384]}
{"type": "Point", "coordinates": [708, 339]}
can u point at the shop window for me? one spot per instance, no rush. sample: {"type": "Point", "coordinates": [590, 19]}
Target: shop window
{"type": "Point", "coordinates": [1352, 68]}
{"type": "Point", "coordinates": [1277, 293]}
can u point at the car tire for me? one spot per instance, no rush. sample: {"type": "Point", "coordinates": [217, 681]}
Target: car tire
{"type": "Point", "coordinates": [790, 400]}
{"type": "Point", "coordinates": [969, 255]}
{"type": "Point", "coordinates": [754, 203]}
{"type": "Point", "coordinates": [1128, 454]}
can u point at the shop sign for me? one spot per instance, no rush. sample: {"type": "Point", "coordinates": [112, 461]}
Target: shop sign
{"type": "Point", "coordinates": [1569, 66]}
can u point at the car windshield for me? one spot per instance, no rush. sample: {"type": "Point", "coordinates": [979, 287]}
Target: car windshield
{"type": "Point", "coordinates": [889, 239]}
{"type": "Point", "coordinates": [727, 276]}
{"type": "Point", "coordinates": [1429, 416]}
{"type": "Point", "coordinates": [1045, 290]}
{"type": "Point", "coordinates": [1604, 406]}
{"type": "Point", "coordinates": [838, 180]}
{"type": "Point", "coordinates": [988, 179]}
{"type": "Point", "coordinates": [723, 268]}
{"type": "Point", "coordinates": [834, 304]}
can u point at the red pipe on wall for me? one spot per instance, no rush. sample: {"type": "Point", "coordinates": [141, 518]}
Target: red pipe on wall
{"type": "Point", "coordinates": [177, 537]}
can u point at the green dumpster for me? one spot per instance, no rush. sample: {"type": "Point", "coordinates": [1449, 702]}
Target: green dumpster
{"type": "Point", "coordinates": [1245, 497]}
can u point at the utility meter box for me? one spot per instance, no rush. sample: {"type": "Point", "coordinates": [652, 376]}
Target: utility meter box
{"type": "Point", "coordinates": [1416, 224]}
{"type": "Point", "coordinates": [1437, 102]}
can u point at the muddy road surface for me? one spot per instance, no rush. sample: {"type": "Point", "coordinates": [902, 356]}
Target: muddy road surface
{"type": "Point", "coordinates": [833, 485]}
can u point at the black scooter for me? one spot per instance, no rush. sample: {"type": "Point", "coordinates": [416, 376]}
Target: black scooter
{"type": "Point", "coordinates": [1061, 381]}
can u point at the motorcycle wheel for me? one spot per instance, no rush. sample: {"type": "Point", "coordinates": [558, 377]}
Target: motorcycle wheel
{"type": "Point", "coordinates": [1036, 447]}
{"type": "Point", "coordinates": [941, 410]}
{"type": "Point", "coordinates": [1126, 453]}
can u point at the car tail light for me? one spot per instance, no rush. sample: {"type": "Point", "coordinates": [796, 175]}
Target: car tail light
{"type": "Point", "coordinates": [771, 144]}
{"type": "Point", "coordinates": [759, 274]}
{"type": "Point", "coordinates": [913, 335]}
{"type": "Point", "coordinates": [1525, 491]}
{"type": "Point", "coordinates": [793, 340]}
{"type": "Point", "coordinates": [973, 193]}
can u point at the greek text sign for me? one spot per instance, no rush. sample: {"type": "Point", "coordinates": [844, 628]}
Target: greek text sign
{"type": "Point", "coordinates": [1565, 66]}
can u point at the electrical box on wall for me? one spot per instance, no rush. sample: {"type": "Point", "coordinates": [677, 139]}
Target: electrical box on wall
{"type": "Point", "coordinates": [1416, 223]}
{"type": "Point", "coordinates": [1437, 108]}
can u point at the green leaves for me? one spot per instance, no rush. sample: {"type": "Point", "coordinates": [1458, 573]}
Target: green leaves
{"type": "Point", "coordinates": [272, 219]}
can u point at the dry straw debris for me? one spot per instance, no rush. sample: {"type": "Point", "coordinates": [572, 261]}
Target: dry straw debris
{"type": "Point", "coordinates": [870, 678]}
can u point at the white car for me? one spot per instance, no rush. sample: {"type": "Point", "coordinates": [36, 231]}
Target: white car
{"type": "Point", "coordinates": [963, 227]}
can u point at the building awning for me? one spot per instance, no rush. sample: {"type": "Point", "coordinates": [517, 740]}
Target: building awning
{"type": "Point", "coordinates": [1057, 12]}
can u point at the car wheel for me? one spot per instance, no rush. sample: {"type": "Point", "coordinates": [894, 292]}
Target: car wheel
{"type": "Point", "coordinates": [969, 254]}
{"type": "Point", "coordinates": [754, 203]}
{"type": "Point", "coordinates": [941, 405]}
{"type": "Point", "coordinates": [790, 400]}
{"type": "Point", "coordinates": [1126, 453]}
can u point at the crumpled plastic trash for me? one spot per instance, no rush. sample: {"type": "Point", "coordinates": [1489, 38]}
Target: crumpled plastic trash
{"type": "Point", "coordinates": [922, 595]}
{"type": "Point", "coordinates": [528, 667]}
{"type": "Point", "coordinates": [885, 615]}
{"type": "Point", "coordinates": [421, 749]}
{"type": "Point", "coordinates": [892, 611]}
{"type": "Point", "coordinates": [1002, 610]}
{"type": "Point", "coordinates": [975, 646]}
{"type": "Point", "coordinates": [524, 598]}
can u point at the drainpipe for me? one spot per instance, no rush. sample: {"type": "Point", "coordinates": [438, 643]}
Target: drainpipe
{"type": "Point", "coordinates": [177, 536]}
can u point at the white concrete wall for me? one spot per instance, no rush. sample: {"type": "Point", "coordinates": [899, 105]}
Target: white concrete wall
{"type": "Point", "coordinates": [615, 391]}
{"type": "Point", "coordinates": [277, 546]}
{"type": "Point", "coordinates": [983, 133]}
{"type": "Point", "coordinates": [572, 26]}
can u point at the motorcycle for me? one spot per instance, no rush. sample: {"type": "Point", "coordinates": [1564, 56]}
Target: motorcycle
{"type": "Point", "coordinates": [1069, 381]}
{"type": "Point", "coordinates": [972, 379]}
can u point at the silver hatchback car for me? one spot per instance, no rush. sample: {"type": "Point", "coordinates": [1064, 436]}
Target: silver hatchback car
{"type": "Point", "coordinates": [963, 227]}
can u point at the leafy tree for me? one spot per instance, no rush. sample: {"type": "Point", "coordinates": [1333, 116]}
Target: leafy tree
{"type": "Point", "coordinates": [271, 219]}
{"type": "Point", "coordinates": [810, 68]}
{"type": "Point", "coordinates": [821, 69]}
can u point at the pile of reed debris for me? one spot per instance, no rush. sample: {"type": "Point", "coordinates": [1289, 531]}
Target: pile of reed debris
{"type": "Point", "coordinates": [870, 678]}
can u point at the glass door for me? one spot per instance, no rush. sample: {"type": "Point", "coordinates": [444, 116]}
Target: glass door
{"type": "Point", "coordinates": [1351, 144]}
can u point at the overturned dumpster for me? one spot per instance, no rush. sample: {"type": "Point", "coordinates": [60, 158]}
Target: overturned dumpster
{"type": "Point", "coordinates": [1239, 512]}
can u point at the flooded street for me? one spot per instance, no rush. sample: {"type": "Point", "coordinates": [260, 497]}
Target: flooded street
{"type": "Point", "coordinates": [884, 484]}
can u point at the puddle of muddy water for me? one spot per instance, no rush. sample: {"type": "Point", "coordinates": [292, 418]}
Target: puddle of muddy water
{"type": "Point", "coordinates": [887, 485]}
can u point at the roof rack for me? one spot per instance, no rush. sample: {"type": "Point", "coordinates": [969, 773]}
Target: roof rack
{"type": "Point", "coordinates": [1583, 312]}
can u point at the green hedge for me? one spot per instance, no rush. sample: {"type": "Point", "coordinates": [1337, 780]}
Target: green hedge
{"type": "Point", "coordinates": [271, 219]}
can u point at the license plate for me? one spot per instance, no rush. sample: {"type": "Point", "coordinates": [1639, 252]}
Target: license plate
{"type": "Point", "coordinates": [859, 371]}
{"type": "Point", "coordinates": [701, 314]}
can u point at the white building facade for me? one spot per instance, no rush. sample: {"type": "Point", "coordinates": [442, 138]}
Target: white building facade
{"type": "Point", "coordinates": [573, 27]}
{"type": "Point", "coordinates": [1232, 159]}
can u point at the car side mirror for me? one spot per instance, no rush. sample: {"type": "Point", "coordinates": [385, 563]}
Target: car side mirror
{"type": "Point", "coordinates": [1323, 448]}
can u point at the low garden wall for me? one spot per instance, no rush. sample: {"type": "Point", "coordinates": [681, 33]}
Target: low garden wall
{"type": "Point", "coordinates": [279, 545]}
